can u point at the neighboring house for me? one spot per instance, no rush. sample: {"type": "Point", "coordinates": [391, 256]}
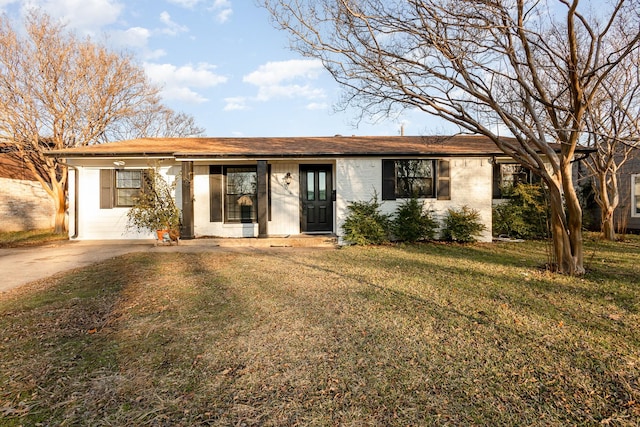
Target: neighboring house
{"type": "Point", "coordinates": [258, 187]}
{"type": "Point", "coordinates": [627, 216]}
{"type": "Point", "coordinates": [24, 205]}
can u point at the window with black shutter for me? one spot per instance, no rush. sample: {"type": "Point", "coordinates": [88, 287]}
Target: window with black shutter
{"type": "Point", "coordinates": [406, 178]}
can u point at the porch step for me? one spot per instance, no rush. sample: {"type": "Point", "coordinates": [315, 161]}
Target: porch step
{"type": "Point", "coordinates": [297, 241]}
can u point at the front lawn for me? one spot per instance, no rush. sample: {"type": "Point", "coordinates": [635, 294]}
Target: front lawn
{"type": "Point", "coordinates": [433, 334]}
{"type": "Point", "coordinates": [12, 239]}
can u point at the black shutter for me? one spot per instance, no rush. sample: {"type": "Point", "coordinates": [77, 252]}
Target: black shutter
{"type": "Point", "coordinates": [269, 188]}
{"type": "Point", "coordinates": [262, 173]}
{"type": "Point", "coordinates": [106, 188]}
{"type": "Point", "coordinates": [187, 227]}
{"type": "Point", "coordinates": [443, 191]}
{"type": "Point", "coordinates": [215, 190]}
{"type": "Point", "coordinates": [388, 180]}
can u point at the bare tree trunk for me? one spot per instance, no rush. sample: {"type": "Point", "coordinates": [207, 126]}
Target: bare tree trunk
{"type": "Point", "coordinates": [574, 221]}
{"type": "Point", "coordinates": [566, 229]}
{"type": "Point", "coordinates": [60, 201]}
{"type": "Point", "coordinates": [606, 209]}
{"type": "Point", "coordinates": [58, 91]}
{"type": "Point", "coordinates": [607, 198]}
{"type": "Point", "coordinates": [480, 65]}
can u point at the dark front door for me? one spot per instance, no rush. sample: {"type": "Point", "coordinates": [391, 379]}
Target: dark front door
{"type": "Point", "coordinates": [316, 199]}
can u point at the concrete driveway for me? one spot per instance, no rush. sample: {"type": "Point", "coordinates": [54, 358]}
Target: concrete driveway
{"type": "Point", "coordinates": [19, 266]}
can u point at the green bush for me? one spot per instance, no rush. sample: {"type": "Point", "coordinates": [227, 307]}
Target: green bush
{"type": "Point", "coordinates": [524, 215]}
{"type": "Point", "coordinates": [462, 225]}
{"type": "Point", "coordinates": [365, 224]}
{"type": "Point", "coordinates": [412, 223]}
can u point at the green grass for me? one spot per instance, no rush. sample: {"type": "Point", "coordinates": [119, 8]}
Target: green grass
{"type": "Point", "coordinates": [433, 334]}
{"type": "Point", "coordinates": [12, 239]}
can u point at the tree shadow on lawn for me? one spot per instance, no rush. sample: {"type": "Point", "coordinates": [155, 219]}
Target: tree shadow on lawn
{"type": "Point", "coordinates": [528, 362]}
{"type": "Point", "coordinates": [601, 305]}
{"type": "Point", "coordinates": [108, 343]}
{"type": "Point", "coordinates": [611, 276]}
{"type": "Point", "coordinates": [189, 338]}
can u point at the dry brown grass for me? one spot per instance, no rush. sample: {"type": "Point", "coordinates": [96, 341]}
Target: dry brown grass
{"type": "Point", "coordinates": [416, 335]}
{"type": "Point", "coordinates": [13, 239]}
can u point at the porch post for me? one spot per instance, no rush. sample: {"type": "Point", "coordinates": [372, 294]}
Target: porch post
{"type": "Point", "coordinates": [186, 230]}
{"type": "Point", "coordinates": [263, 201]}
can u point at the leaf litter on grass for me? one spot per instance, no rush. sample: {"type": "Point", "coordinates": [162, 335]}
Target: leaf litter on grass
{"type": "Point", "coordinates": [411, 335]}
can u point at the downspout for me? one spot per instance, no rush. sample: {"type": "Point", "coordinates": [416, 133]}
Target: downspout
{"type": "Point", "coordinates": [76, 181]}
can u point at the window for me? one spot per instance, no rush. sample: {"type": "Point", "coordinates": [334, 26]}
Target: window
{"type": "Point", "coordinates": [512, 174]}
{"type": "Point", "coordinates": [408, 178]}
{"type": "Point", "coordinates": [507, 175]}
{"type": "Point", "coordinates": [241, 184]}
{"type": "Point", "coordinates": [128, 184]}
{"type": "Point", "coordinates": [635, 195]}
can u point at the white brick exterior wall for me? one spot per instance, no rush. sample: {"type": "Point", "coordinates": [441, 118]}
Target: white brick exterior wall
{"type": "Point", "coordinates": [105, 224]}
{"type": "Point", "coordinates": [24, 205]}
{"type": "Point", "coordinates": [359, 179]}
{"type": "Point", "coordinates": [354, 179]}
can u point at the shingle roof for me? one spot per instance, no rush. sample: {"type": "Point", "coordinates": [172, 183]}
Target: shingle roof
{"type": "Point", "coordinates": [335, 146]}
{"type": "Point", "coordinates": [13, 168]}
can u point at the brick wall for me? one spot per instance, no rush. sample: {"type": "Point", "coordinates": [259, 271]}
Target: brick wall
{"type": "Point", "coordinates": [471, 185]}
{"type": "Point", "coordinates": [24, 205]}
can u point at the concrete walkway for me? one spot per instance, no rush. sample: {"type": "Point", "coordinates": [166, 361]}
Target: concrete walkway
{"type": "Point", "coordinates": [19, 266]}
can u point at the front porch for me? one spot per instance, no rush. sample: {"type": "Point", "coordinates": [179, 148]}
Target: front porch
{"type": "Point", "coordinates": [293, 241]}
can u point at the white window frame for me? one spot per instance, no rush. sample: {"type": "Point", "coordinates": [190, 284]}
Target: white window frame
{"type": "Point", "coordinates": [635, 180]}
{"type": "Point", "coordinates": [134, 190]}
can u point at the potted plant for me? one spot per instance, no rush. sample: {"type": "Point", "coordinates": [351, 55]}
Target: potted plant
{"type": "Point", "coordinates": [155, 209]}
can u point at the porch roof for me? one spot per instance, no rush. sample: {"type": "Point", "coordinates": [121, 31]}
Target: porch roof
{"type": "Point", "coordinates": [286, 147]}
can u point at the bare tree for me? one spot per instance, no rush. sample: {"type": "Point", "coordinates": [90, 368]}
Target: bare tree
{"type": "Point", "coordinates": [59, 91]}
{"type": "Point", "coordinates": [614, 131]}
{"type": "Point", "coordinates": [158, 121]}
{"type": "Point", "coordinates": [529, 67]}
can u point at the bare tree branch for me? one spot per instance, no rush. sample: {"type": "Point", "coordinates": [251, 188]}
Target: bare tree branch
{"type": "Point", "coordinates": [530, 67]}
{"type": "Point", "coordinates": [59, 91]}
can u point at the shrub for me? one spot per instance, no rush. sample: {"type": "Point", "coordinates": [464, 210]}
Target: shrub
{"type": "Point", "coordinates": [462, 225]}
{"type": "Point", "coordinates": [365, 224]}
{"type": "Point", "coordinates": [412, 223]}
{"type": "Point", "coordinates": [524, 215]}
{"type": "Point", "coordinates": [155, 208]}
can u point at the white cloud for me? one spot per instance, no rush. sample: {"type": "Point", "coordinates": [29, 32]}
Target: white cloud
{"type": "Point", "coordinates": [266, 93]}
{"type": "Point", "coordinates": [224, 15]}
{"type": "Point", "coordinates": [185, 3]}
{"type": "Point", "coordinates": [87, 16]}
{"type": "Point", "coordinates": [154, 54]}
{"type": "Point", "coordinates": [179, 82]}
{"type": "Point", "coordinates": [273, 73]}
{"type": "Point", "coordinates": [4, 3]}
{"type": "Point", "coordinates": [134, 37]}
{"type": "Point", "coordinates": [171, 28]}
{"type": "Point", "coordinates": [287, 79]}
{"type": "Point", "coordinates": [237, 103]}
{"type": "Point", "coordinates": [315, 106]}
{"type": "Point", "coordinates": [223, 10]}
{"type": "Point", "coordinates": [184, 94]}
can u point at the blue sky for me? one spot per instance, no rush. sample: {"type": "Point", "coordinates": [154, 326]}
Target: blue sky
{"type": "Point", "coordinates": [225, 64]}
